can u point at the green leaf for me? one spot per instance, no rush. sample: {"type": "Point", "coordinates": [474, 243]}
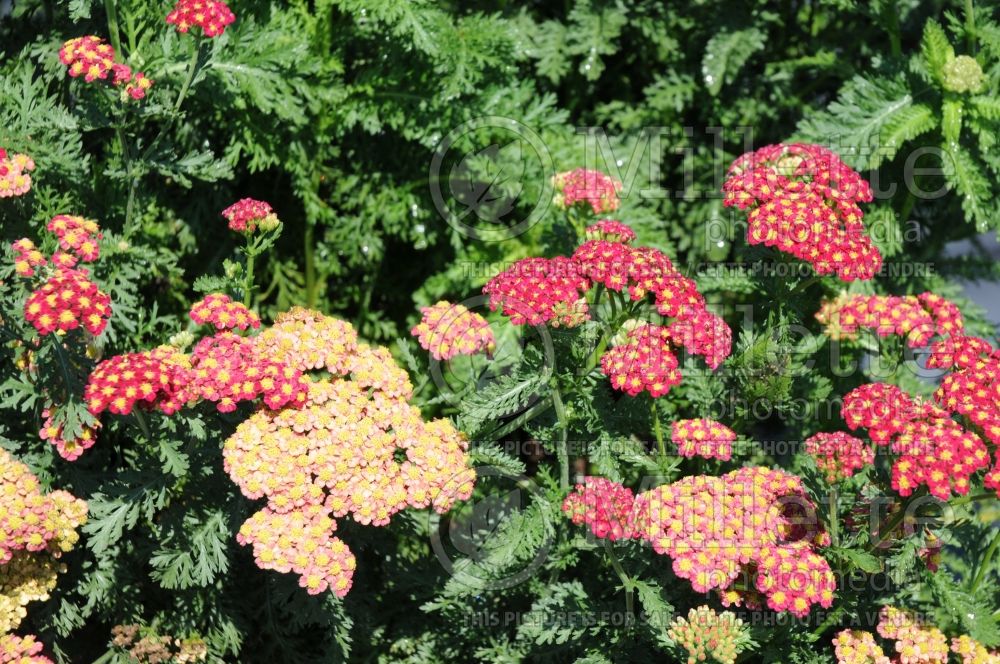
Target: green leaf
{"type": "Point", "coordinates": [935, 50]}
{"type": "Point", "coordinates": [966, 176]}
{"type": "Point", "coordinates": [857, 559]}
{"type": "Point", "coordinates": [725, 55]}
{"type": "Point", "coordinates": [951, 120]}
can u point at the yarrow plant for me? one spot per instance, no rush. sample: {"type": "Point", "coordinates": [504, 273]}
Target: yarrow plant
{"type": "Point", "coordinates": [94, 59]}
{"type": "Point", "coordinates": [210, 16]}
{"type": "Point", "coordinates": [14, 170]}
{"type": "Point", "coordinates": [446, 330]}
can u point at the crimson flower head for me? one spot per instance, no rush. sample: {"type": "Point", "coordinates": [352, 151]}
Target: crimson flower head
{"type": "Point", "coordinates": [587, 187]}
{"type": "Point", "coordinates": [88, 56]}
{"type": "Point", "coordinates": [541, 290]}
{"type": "Point", "coordinates": [211, 16]}
{"type": "Point", "coordinates": [803, 200]}
{"type": "Point", "coordinates": [66, 301]}
{"type": "Point", "coordinates": [839, 455]}
{"type": "Point", "coordinates": [248, 214]}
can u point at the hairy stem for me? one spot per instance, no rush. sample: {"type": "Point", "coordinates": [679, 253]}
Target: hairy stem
{"type": "Point", "coordinates": [657, 429]}
{"type": "Point", "coordinates": [561, 445]}
{"type": "Point", "coordinates": [113, 35]}
{"type": "Point", "coordinates": [626, 582]}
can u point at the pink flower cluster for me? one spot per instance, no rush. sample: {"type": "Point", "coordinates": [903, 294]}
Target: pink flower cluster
{"type": "Point", "coordinates": [93, 58]}
{"type": "Point", "coordinates": [610, 230]}
{"type": "Point", "coordinates": [933, 449]}
{"type": "Point", "coordinates": [918, 318]}
{"type": "Point", "coordinates": [803, 200]}
{"type": "Point", "coordinates": [587, 187]}
{"type": "Point", "coordinates": [447, 330]}
{"type": "Point", "coordinates": [73, 448]}
{"type": "Point", "coordinates": [77, 235]}
{"type": "Point", "coordinates": [972, 652]}
{"type": "Point", "coordinates": [540, 290]}
{"type": "Point", "coordinates": [839, 455]}
{"type": "Point", "coordinates": [703, 333]}
{"type": "Point", "coordinates": [210, 16]}
{"type": "Point", "coordinates": [150, 378]}
{"type": "Point", "coordinates": [718, 529]}
{"type": "Point", "coordinates": [703, 437]}
{"type": "Point", "coordinates": [915, 643]}
{"type": "Point", "coordinates": [220, 311]}
{"type": "Point", "coordinates": [16, 649]}
{"type": "Point", "coordinates": [27, 257]}
{"type": "Point", "coordinates": [645, 362]}
{"type": "Point", "coordinates": [853, 646]}
{"type": "Point", "coordinates": [14, 178]}
{"type": "Point", "coordinates": [248, 215]}
{"type": "Point", "coordinates": [307, 462]}
{"type": "Point", "coordinates": [604, 506]}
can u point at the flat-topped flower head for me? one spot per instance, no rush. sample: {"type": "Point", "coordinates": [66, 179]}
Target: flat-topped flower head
{"type": "Point", "coordinates": [853, 646]}
{"type": "Point", "coordinates": [604, 506]}
{"type": "Point", "coordinates": [221, 312]}
{"type": "Point", "coordinates": [839, 455]}
{"type": "Point", "coordinates": [66, 301]}
{"type": "Point", "coordinates": [537, 291]}
{"type": "Point", "coordinates": [916, 643]}
{"type": "Point", "coordinates": [446, 330]}
{"type": "Point", "coordinates": [705, 334]}
{"type": "Point", "coordinates": [248, 215]}
{"type": "Point", "coordinates": [972, 652]}
{"type": "Point", "coordinates": [68, 448]}
{"type": "Point", "coordinates": [88, 56]}
{"type": "Point", "coordinates": [77, 235]}
{"type": "Point", "coordinates": [151, 379]}
{"type": "Point", "coordinates": [14, 178]}
{"type": "Point", "coordinates": [644, 363]}
{"type": "Point", "coordinates": [704, 438]}
{"type": "Point", "coordinates": [22, 650]}
{"type": "Point", "coordinates": [209, 16]}
{"type": "Point", "coordinates": [803, 200]}
{"type": "Point", "coordinates": [917, 318]}
{"type": "Point", "coordinates": [588, 188]}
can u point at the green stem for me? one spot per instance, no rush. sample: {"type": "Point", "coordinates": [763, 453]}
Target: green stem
{"type": "Point", "coordinates": [984, 564]}
{"type": "Point", "coordinates": [886, 529]}
{"type": "Point", "coordinates": [833, 516]}
{"type": "Point", "coordinates": [970, 27]}
{"type": "Point", "coordinates": [561, 445]}
{"type": "Point", "coordinates": [249, 276]}
{"type": "Point", "coordinates": [192, 70]}
{"type": "Point", "coordinates": [657, 430]}
{"type": "Point", "coordinates": [112, 12]}
{"type": "Point", "coordinates": [970, 499]}
{"type": "Point", "coordinates": [310, 252]}
{"type": "Point", "coordinates": [140, 417]}
{"type": "Point", "coordinates": [592, 361]}
{"type": "Point", "coordinates": [803, 285]}
{"type": "Point", "coordinates": [891, 14]}
{"type": "Point", "coordinates": [626, 580]}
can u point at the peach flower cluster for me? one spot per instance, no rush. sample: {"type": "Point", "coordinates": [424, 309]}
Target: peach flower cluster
{"type": "Point", "coordinates": [446, 330]}
{"type": "Point", "coordinates": [915, 643]}
{"type": "Point", "coordinates": [77, 235]}
{"type": "Point", "coordinates": [94, 59]}
{"type": "Point", "coordinates": [209, 16]}
{"type": "Point", "coordinates": [838, 455]}
{"type": "Point", "coordinates": [803, 200]}
{"type": "Point", "coordinates": [971, 651]}
{"type": "Point", "coordinates": [703, 437]}
{"type": "Point", "coordinates": [14, 178]}
{"type": "Point", "coordinates": [708, 636]}
{"type": "Point", "coordinates": [588, 188]}
{"type": "Point", "coordinates": [918, 318]}
{"type": "Point", "coordinates": [933, 449]}
{"type": "Point", "coordinates": [16, 649]}
{"type": "Point", "coordinates": [854, 646]}
{"type": "Point", "coordinates": [746, 523]}
{"type": "Point", "coordinates": [356, 447]}
{"type": "Point", "coordinates": [222, 313]}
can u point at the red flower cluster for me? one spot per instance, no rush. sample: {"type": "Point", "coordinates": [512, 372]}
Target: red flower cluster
{"type": "Point", "coordinates": [704, 334]}
{"type": "Point", "coordinates": [93, 58]}
{"type": "Point", "coordinates": [604, 506]}
{"type": "Point", "coordinates": [227, 369]}
{"type": "Point", "coordinates": [26, 257]}
{"type": "Point", "coordinates": [77, 235]}
{"type": "Point", "coordinates": [839, 455]}
{"type": "Point", "coordinates": [248, 214]}
{"type": "Point", "coordinates": [934, 450]}
{"type": "Point", "coordinates": [447, 330]}
{"type": "Point", "coordinates": [588, 187]}
{"type": "Point", "coordinates": [610, 230]}
{"type": "Point", "coordinates": [220, 311]}
{"type": "Point", "coordinates": [540, 290]}
{"type": "Point", "coordinates": [212, 16]}
{"type": "Point", "coordinates": [68, 449]}
{"type": "Point", "coordinates": [717, 529]}
{"type": "Point", "coordinates": [916, 317]}
{"type": "Point", "coordinates": [66, 301]}
{"type": "Point", "coordinates": [804, 201]}
{"type": "Point", "coordinates": [644, 362]}
{"type": "Point", "coordinates": [703, 437]}
{"type": "Point", "coordinates": [152, 379]}
{"type": "Point", "coordinates": [14, 178]}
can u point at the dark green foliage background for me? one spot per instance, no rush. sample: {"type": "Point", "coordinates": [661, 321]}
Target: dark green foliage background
{"type": "Point", "coordinates": [331, 111]}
